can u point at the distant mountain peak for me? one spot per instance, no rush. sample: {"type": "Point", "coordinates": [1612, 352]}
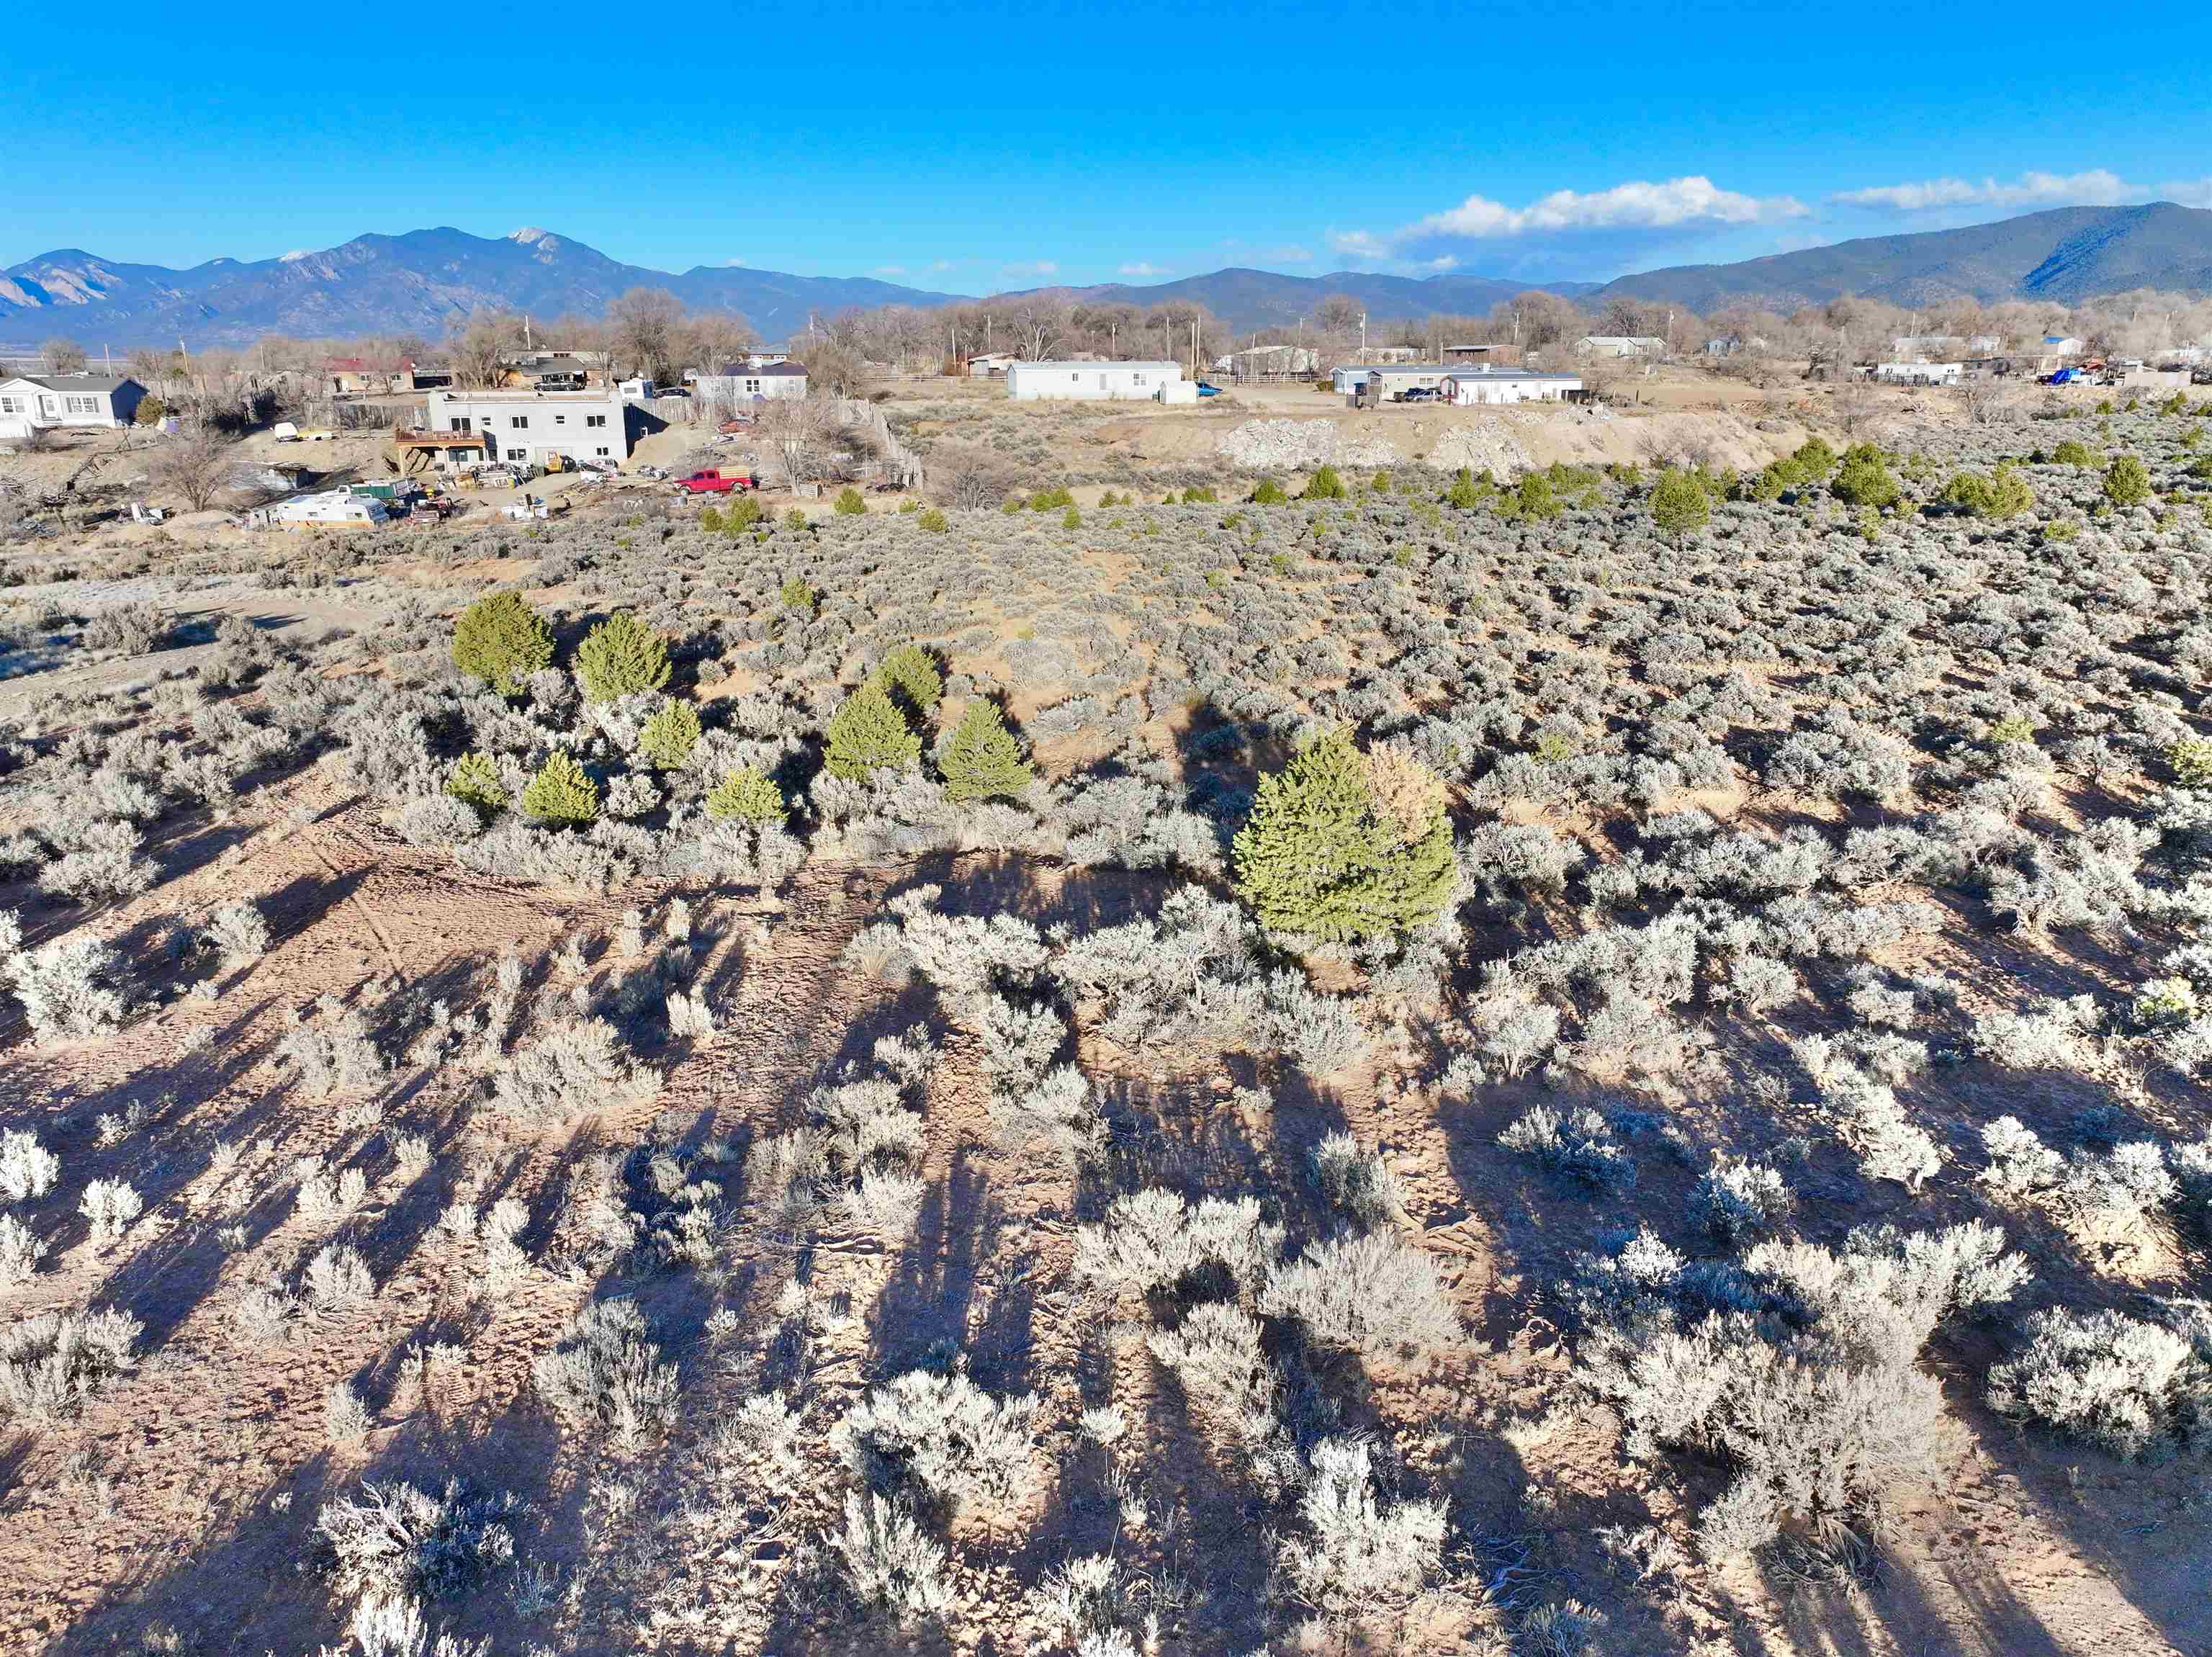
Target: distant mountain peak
{"type": "Point", "coordinates": [531, 236]}
{"type": "Point", "coordinates": [296, 255]}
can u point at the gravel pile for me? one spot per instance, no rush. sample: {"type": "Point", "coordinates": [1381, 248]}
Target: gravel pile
{"type": "Point", "coordinates": [1480, 447]}
{"type": "Point", "coordinates": [1283, 445]}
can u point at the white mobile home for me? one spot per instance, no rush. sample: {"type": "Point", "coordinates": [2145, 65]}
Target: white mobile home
{"type": "Point", "coordinates": [1622, 344]}
{"type": "Point", "coordinates": [527, 426]}
{"type": "Point", "coordinates": [1113, 382]}
{"type": "Point", "coordinates": [44, 402]}
{"type": "Point", "coordinates": [1468, 387]}
{"type": "Point", "coordinates": [1919, 374]}
{"type": "Point", "coordinates": [738, 386]}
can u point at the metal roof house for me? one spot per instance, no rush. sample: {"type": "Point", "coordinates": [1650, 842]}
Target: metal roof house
{"type": "Point", "coordinates": [1116, 382]}
{"type": "Point", "coordinates": [1622, 344]}
{"type": "Point", "coordinates": [47, 401]}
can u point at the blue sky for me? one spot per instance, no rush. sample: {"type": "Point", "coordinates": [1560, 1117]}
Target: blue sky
{"type": "Point", "coordinates": [972, 147]}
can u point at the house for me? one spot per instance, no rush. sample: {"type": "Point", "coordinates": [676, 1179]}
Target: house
{"type": "Point", "coordinates": [1347, 379]}
{"type": "Point", "coordinates": [527, 426]}
{"type": "Point", "coordinates": [1734, 344]}
{"type": "Point", "coordinates": [1257, 360]}
{"type": "Point", "coordinates": [1029, 383]}
{"type": "Point", "coordinates": [1620, 344]}
{"type": "Point", "coordinates": [1469, 354]}
{"type": "Point", "coordinates": [638, 390]}
{"type": "Point", "coordinates": [369, 376]}
{"type": "Point", "coordinates": [555, 371]}
{"type": "Point", "coordinates": [1919, 374]}
{"type": "Point", "coordinates": [2063, 345]}
{"type": "Point", "coordinates": [1388, 383]}
{"type": "Point", "coordinates": [990, 365]}
{"type": "Point", "coordinates": [1465, 387]}
{"type": "Point", "coordinates": [47, 401]}
{"type": "Point", "coordinates": [739, 384]}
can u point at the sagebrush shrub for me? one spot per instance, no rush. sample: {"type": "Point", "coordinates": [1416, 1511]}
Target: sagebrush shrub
{"type": "Point", "coordinates": [20, 1250]}
{"type": "Point", "coordinates": [942, 1434]}
{"type": "Point", "coordinates": [237, 933]}
{"type": "Point", "coordinates": [568, 1071]}
{"type": "Point", "coordinates": [28, 1169]}
{"type": "Point", "coordinates": [502, 640]}
{"type": "Point", "coordinates": [50, 1364]}
{"type": "Point", "coordinates": [1357, 1182]}
{"type": "Point", "coordinates": [399, 1538]}
{"type": "Point", "coordinates": [110, 1206]}
{"type": "Point", "coordinates": [606, 1372]}
{"type": "Point", "coordinates": [2125, 1385]}
{"type": "Point", "coordinates": [891, 1565]}
{"type": "Point", "coordinates": [1375, 1294]}
{"type": "Point", "coordinates": [1358, 1556]}
{"type": "Point", "coordinates": [621, 657]}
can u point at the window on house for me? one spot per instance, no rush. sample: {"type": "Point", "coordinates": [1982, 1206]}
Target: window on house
{"type": "Point", "coordinates": [752, 387]}
{"type": "Point", "coordinates": [11, 406]}
{"type": "Point", "coordinates": [520, 423]}
{"type": "Point", "coordinates": [602, 450]}
{"type": "Point", "coordinates": [595, 420]}
{"type": "Point", "coordinates": [517, 454]}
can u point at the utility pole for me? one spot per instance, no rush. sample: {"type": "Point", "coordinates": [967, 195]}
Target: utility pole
{"type": "Point", "coordinates": [1363, 333]}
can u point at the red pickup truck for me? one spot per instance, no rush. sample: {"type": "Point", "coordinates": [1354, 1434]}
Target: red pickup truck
{"type": "Point", "coordinates": [715, 483]}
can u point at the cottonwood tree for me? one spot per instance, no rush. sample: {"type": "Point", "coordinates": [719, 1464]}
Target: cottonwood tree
{"type": "Point", "coordinates": [63, 355]}
{"type": "Point", "coordinates": [797, 427]}
{"type": "Point", "coordinates": [644, 324]}
{"type": "Point", "coordinates": [482, 347]}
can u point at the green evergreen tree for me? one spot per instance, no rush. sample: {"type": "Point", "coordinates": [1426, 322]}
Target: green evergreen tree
{"type": "Point", "coordinates": [1319, 855]}
{"type": "Point", "coordinates": [1814, 460]}
{"type": "Point", "coordinates": [669, 736]}
{"type": "Point", "coordinates": [908, 676]}
{"type": "Point", "coordinates": [621, 657]}
{"type": "Point", "coordinates": [475, 779]}
{"type": "Point", "coordinates": [2127, 482]}
{"type": "Point", "coordinates": [741, 514]}
{"type": "Point", "coordinates": [794, 520]}
{"type": "Point", "coordinates": [868, 733]}
{"type": "Point", "coordinates": [744, 795]}
{"type": "Point", "coordinates": [797, 596]}
{"type": "Point", "coordinates": [1269, 493]}
{"type": "Point", "coordinates": [982, 760]}
{"type": "Point", "coordinates": [934, 521]}
{"type": "Point", "coordinates": [502, 640]}
{"type": "Point", "coordinates": [1324, 485]}
{"type": "Point", "coordinates": [1679, 506]}
{"type": "Point", "coordinates": [1465, 493]}
{"type": "Point", "coordinates": [561, 794]}
{"type": "Point", "coordinates": [1534, 498]}
{"type": "Point", "coordinates": [850, 503]}
{"type": "Point", "coordinates": [2073, 453]}
{"type": "Point", "coordinates": [1864, 478]}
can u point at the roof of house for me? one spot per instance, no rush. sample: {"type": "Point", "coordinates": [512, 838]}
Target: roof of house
{"type": "Point", "coordinates": [103, 384]}
{"type": "Point", "coordinates": [1075, 367]}
{"type": "Point", "coordinates": [1623, 339]}
{"type": "Point", "coordinates": [369, 365]}
{"type": "Point", "coordinates": [766, 371]}
{"type": "Point", "coordinates": [1487, 373]}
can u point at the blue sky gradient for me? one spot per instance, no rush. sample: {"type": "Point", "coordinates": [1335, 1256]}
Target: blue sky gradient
{"type": "Point", "coordinates": [974, 146]}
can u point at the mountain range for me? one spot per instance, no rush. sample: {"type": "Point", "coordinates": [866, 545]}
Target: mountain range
{"type": "Point", "coordinates": [418, 283]}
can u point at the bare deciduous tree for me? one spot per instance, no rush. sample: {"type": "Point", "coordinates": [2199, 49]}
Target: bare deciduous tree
{"type": "Point", "coordinates": [796, 427]}
{"type": "Point", "coordinates": [644, 325]}
{"type": "Point", "coordinates": [63, 355]}
{"type": "Point", "coordinates": [482, 345]}
{"type": "Point", "coordinates": [193, 467]}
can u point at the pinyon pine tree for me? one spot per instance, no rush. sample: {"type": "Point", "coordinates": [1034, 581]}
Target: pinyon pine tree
{"type": "Point", "coordinates": [502, 640]}
{"type": "Point", "coordinates": [561, 793]}
{"type": "Point", "coordinates": [475, 780]}
{"type": "Point", "coordinates": [909, 675]}
{"type": "Point", "coordinates": [1322, 855]}
{"type": "Point", "coordinates": [620, 657]}
{"type": "Point", "coordinates": [1679, 507]}
{"type": "Point", "coordinates": [868, 733]}
{"type": "Point", "coordinates": [982, 761]}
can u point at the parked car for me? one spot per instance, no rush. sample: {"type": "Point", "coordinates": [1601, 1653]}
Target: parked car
{"type": "Point", "coordinates": [1417, 394]}
{"type": "Point", "coordinates": [713, 481]}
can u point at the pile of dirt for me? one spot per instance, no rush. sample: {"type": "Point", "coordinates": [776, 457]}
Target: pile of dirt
{"type": "Point", "coordinates": [1288, 445]}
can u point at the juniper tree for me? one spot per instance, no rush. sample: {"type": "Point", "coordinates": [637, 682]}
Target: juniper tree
{"type": "Point", "coordinates": [1321, 854]}
{"type": "Point", "coordinates": [1679, 507]}
{"type": "Point", "coordinates": [868, 733]}
{"type": "Point", "coordinates": [561, 794]}
{"type": "Point", "coordinates": [669, 736]}
{"type": "Point", "coordinates": [2127, 482]}
{"type": "Point", "coordinates": [475, 780]}
{"type": "Point", "coordinates": [502, 640]}
{"type": "Point", "coordinates": [983, 761]}
{"type": "Point", "coordinates": [1864, 478]}
{"type": "Point", "coordinates": [908, 675]}
{"type": "Point", "coordinates": [621, 657]}
{"type": "Point", "coordinates": [746, 796]}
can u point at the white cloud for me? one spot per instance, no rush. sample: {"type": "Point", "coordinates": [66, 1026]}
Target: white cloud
{"type": "Point", "coordinates": [2189, 193]}
{"type": "Point", "coordinates": [1637, 205]}
{"type": "Point", "coordinates": [2097, 187]}
{"type": "Point", "coordinates": [1140, 268]}
{"type": "Point", "coordinates": [1360, 244]}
